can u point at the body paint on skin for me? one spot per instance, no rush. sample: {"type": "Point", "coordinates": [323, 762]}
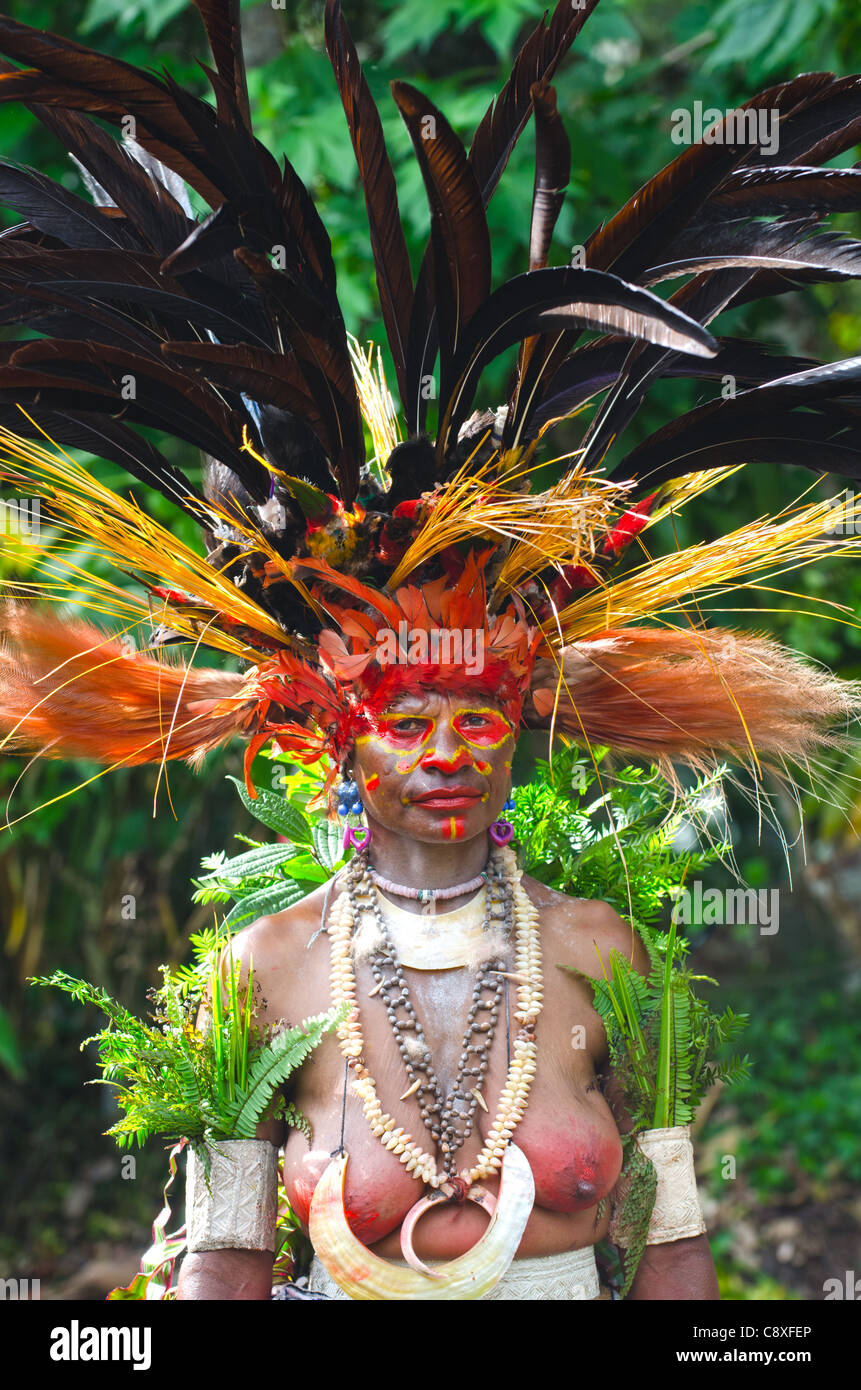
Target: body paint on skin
{"type": "Point", "coordinates": [497, 727]}
{"type": "Point", "coordinates": [406, 765]}
{"type": "Point", "coordinates": [454, 829]}
{"type": "Point", "coordinates": [372, 782]}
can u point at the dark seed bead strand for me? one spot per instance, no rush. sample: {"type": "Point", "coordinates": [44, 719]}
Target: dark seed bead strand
{"type": "Point", "coordinates": [448, 1120]}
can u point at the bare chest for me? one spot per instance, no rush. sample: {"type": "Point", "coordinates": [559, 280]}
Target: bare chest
{"type": "Point", "coordinates": [568, 1133]}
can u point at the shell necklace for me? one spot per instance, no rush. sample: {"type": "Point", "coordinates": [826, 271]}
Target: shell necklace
{"type": "Point", "coordinates": [356, 1270]}
{"type": "Point", "coordinates": [442, 941]}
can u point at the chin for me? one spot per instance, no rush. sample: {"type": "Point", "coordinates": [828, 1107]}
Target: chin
{"type": "Point", "coordinates": [458, 827]}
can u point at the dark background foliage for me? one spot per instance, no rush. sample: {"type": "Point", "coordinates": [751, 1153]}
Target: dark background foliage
{"type": "Point", "coordinates": [95, 884]}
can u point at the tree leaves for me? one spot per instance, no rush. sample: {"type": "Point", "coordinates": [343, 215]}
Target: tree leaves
{"type": "Point", "coordinates": [277, 813]}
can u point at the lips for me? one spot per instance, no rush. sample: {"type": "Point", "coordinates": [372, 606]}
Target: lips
{"type": "Point", "coordinates": [447, 798]}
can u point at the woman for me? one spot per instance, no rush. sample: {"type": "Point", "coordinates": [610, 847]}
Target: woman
{"type": "Point", "coordinates": [459, 766]}
{"type": "Point", "coordinates": [342, 587]}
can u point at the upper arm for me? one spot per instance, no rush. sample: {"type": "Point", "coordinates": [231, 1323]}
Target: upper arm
{"type": "Point", "coordinates": [610, 932]}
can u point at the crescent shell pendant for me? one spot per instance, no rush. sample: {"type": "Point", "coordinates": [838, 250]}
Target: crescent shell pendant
{"type": "Point", "coordinates": [363, 1275]}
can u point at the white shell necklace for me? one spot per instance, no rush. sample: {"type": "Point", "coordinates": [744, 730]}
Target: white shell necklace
{"type": "Point", "coordinates": [444, 941]}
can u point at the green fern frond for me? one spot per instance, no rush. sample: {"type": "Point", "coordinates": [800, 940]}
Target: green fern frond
{"type": "Point", "coordinates": [273, 1064]}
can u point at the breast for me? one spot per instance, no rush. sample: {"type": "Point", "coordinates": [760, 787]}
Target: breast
{"type": "Point", "coordinates": [575, 1154]}
{"type": "Point", "coordinates": [575, 1159]}
{"type": "Point", "coordinates": [378, 1192]}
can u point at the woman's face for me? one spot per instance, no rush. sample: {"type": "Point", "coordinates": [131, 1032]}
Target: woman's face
{"type": "Point", "coordinates": [438, 767]}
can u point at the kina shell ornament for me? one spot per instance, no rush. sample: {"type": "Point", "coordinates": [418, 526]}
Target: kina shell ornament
{"type": "Point", "coordinates": [363, 1275]}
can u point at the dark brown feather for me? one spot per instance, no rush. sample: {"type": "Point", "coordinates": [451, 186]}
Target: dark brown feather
{"type": "Point", "coordinates": [221, 21]}
{"type": "Point", "coordinates": [555, 299]}
{"type": "Point", "coordinates": [770, 191]}
{"type": "Point", "coordinates": [391, 259]}
{"type": "Point", "coordinates": [462, 263]}
{"type": "Point", "coordinates": [796, 419]}
{"type": "Point", "coordinates": [506, 117]}
{"type": "Point", "coordinates": [325, 365]}
{"type": "Point", "coordinates": [264, 376]}
{"type": "Point", "coordinates": [67, 74]}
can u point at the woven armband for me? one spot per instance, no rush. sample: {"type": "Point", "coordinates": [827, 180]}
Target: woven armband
{"type": "Point", "coordinates": [237, 1210]}
{"type": "Point", "coordinates": [677, 1213]}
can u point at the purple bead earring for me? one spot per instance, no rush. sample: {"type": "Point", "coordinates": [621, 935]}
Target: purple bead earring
{"type": "Point", "coordinates": [502, 831]}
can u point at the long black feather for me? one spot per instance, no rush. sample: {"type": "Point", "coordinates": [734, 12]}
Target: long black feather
{"type": "Point", "coordinates": [153, 217]}
{"type": "Point", "coordinates": [320, 346]}
{"type": "Point", "coordinates": [791, 420]}
{"type": "Point", "coordinates": [59, 213]}
{"type": "Point", "coordinates": [391, 259]}
{"type": "Point", "coordinates": [788, 247]}
{"type": "Point", "coordinates": [462, 257]}
{"type": "Point", "coordinates": [772, 191]}
{"type": "Point", "coordinates": [557, 298]}
{"type": "Point", "coordinates": [595, 366]}
{"type": "Point", "coordinates": [221, 21]}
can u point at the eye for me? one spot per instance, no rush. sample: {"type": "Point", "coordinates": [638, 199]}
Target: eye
{"type": "Point", "coordinates": [482, 726]}
{"type": "Point", "coordinates": [407, 726]}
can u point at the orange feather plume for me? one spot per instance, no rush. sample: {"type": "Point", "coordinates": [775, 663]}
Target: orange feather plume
{"type": "Point", "coordinates": [692, 696]}
{"type": "Point", "coordinates": [69, 690]}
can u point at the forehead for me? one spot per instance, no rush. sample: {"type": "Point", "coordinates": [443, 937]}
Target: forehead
{"type": "Point", "coordinates": [439, 702]}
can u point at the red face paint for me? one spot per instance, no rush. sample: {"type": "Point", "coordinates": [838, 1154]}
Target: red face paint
{"type": "Point", "coordinates": [453, 828]}
{"type": "Point", "coordinates": [482, 727]}
{"type": "Point", "coordinates": [372, 782]}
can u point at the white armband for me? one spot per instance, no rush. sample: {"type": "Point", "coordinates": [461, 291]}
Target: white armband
{"type": "Point", "coordinates": [237, 1210]}
{"type": "Point", "coordinates": [677, 1214]}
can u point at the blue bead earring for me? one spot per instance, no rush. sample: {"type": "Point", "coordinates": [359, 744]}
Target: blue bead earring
{"type": "Point", "coordinates": [356, 837]}
{"type": "Point", "coordinates": [510, 805]}
{"type": "Point", "coordinates": [349, 799]}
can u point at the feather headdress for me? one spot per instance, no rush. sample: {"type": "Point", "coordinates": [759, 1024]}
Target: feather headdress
{"type": "Point", "coordinates": [226, 332]}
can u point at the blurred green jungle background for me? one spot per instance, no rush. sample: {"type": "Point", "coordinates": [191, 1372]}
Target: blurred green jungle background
{"type": "Point", "coordinates": [95, 884]}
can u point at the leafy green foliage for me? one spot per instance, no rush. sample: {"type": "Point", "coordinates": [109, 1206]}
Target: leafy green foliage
{"type": "Point", "coordinates": [597, 834]}
{"type": "Point", "coordinates": [269, 878]}
{"type": "Point", "coordinates": [639, 1181]}
{"type": "Point", "coordinates": [663, 1039]}
{"type": "Point", "coordinates": [202, 1083]}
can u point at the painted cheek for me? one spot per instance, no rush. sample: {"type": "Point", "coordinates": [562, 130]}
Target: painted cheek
{"type": "Point", "coordinates": [484, 768]}
{"type": "Point", "coordinates": [406, 765]}
{"type": "Point", "coordinates": [372, 782]}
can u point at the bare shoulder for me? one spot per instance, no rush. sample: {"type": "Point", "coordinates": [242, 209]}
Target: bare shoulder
{"type": "Point", "coordinates": [276, 948]}
{"type": "Point", "coordinates": [585, 929]}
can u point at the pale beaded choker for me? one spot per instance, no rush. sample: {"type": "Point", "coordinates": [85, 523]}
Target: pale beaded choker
{"type": "Point", "coordinates": [427, 895]}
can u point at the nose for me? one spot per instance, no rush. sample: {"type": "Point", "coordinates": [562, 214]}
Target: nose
{"type": "Point", "coordinates": [448, 753]}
